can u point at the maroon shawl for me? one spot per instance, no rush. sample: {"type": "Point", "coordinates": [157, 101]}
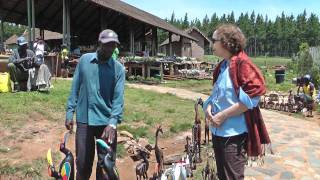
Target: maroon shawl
{"type": "Point", "coordinates": [244, 74]}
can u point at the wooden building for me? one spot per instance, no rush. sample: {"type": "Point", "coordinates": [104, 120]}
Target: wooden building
{"type": "Point", "coordinates": [86, 19]}
{"type": "Point", "coordinates": [184, 47]}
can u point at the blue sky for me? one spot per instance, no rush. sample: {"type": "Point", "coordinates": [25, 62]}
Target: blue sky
{"type": "Point", "coordinates": [199, 8]}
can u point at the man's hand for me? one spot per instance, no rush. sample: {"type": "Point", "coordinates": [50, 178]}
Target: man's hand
{"type": "Point", "coordinates": [109, 134]}
{"type": "Point", "coordinates": [24, 59]}
{"type": "Point", "coordinates": [69, 124]}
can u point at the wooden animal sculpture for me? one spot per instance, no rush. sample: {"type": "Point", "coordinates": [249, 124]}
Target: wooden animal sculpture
{"type": "Point", "coordinates": [190, 153]}
{"type": "Point", "coordinates": [210, 172]}
{"type": "Point", "coordinates": [143, 166]}
{"type": "Point", "coordinates": [206, 132]}
{"type": "Point", "coordinates": [109, 169]}
{"type": "Point", "coordinates": [206, 171]}
{"type": "Point", "coordinates": [196, 131]}
{"type": "Point", "coordinates": [66, 168]}
{"type": "Point", "coordinates": [158, 153]}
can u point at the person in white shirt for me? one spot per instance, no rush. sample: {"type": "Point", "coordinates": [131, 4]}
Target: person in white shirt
{"type": "Point", "coordinates": [42, 80]}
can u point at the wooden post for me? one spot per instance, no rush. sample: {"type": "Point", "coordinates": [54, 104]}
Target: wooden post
{"type": "Point", "coordinates": [171, 70]}
{"type": "Point", "coordinates": [161, 71]}
{"type": "Point", "coordinates": [42, 34]}
{"type": "Point", "coordinates": [143, 41]}
{"type": "Point", "coordinates": [182, 46]}
{"type": "Point", "coordinates": [131, 38]}
{"type": "Point", "coordinates": [103, 20]}
{"type": "Point", "coordinates": [1, 33]}
{"type": "Point", "coordinates": [66, 22]}
{"type": "Point", "coordinates": [33, 21]}
{"type": "Point", "coordinates": [148, 70]}
{"type": "Point", "coordinates": [170, 44]}
{"type": "Point", "coordinates": [68, 10]}
{"type": "Point", "coordinates": [154, 41]}
{"type": "Point", "coordinates": [143, 70]}
{"type": "Point", "coordinates": [129, 69]}
{"type": "Point", "coordinates": [29, 22]}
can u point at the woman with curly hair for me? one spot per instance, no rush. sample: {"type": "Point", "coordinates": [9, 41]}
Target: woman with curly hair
{"type": "Point", "coordinates": [238, 130]}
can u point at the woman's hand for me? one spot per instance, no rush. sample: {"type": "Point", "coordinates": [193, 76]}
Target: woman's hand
{"type": "Point", "coordinates": [208, 113]}
{"type": "Point", "coordinates": [218, 119]}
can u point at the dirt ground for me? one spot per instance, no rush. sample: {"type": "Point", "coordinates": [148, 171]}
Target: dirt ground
{"type": "Point", "coordinates": [32, 141]}
{"type": "Point", "coordinates": [27, 144]}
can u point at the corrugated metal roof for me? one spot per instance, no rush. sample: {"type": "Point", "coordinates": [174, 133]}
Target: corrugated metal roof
{"type": "Point", "coordinates": [85, 17]}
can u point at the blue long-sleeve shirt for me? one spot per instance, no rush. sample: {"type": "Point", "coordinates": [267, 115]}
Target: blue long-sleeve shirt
{"type": "Point", "coordinates": [97, 91]}
{"type": "Point", "coordinates": [223, 96]}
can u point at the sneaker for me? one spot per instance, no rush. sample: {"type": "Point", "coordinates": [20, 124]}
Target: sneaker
{"type": "Point", "coordinates": [43, 88]}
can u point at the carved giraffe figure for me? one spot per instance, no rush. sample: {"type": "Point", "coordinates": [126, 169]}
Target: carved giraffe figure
{"type": "Point", "coordinates": [197, 131]}
{"type": "Point", "coordinates": [206, 128]}
{"type": "Point", "coordinates": [190, 154]}
{"type": "Point", "coordinates": [158, 153]}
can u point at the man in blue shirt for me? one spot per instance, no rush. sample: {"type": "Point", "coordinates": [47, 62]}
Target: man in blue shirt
{"type": "Point", "coordinates": [97, 99]}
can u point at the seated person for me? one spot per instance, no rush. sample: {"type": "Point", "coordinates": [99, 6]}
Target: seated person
{"type": "Point", "coordinates": [22, 68]}
{"type": "Point", "coordinates": [19, 63]}
{"type": "Point", "coordinates": [64, 56]}
{"type": "Point", "coordinates": [309, 94]}
{"type": "Point", "coordinates": [40, 48]}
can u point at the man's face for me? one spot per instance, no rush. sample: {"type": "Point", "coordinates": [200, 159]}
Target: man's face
{"type": "Point", "coordinates": [23, 48]}
{"type": "Point", "coordinates": [107, 49]}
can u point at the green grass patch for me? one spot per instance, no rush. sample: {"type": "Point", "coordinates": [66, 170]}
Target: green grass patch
{"type": "Point", "coordinates": [153, 108]}
{"type": "Point", "coordinates": [211, 58]}
{"type": "Point", "coordinates": [26, 170]}
{"type": "Point", "coordinates": [265, 64]}
{"type": "Point", "coordinates": [121, 151]}
{"type": "Point", "coordinates": [200, 86]}
{"type": "Point", "coordinates": [259, 61]}
{"type": "Point", "coordinates": [137, 132]}
{"type": "Point", "coordinates": [178, 127]}
{"type": "Point", "coordinates": [283, 87]}
{"type": "Point", "coordinates": [16, 107]}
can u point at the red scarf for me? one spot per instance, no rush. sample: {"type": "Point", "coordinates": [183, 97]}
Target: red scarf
{"type": "Point", "coordinates": [244, 74]}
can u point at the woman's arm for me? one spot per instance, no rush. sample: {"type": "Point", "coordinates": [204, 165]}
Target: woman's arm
{"type": "Point", "coordinates": [220, 117]}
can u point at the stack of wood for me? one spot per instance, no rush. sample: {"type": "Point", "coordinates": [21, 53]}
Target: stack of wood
{"type": "Point", "coordinates": [132, 145]}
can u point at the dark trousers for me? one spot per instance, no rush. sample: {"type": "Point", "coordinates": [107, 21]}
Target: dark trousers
{"type": "Point", "coordinates": [85, 151]}
{"type": "Point", "coordinates": [16, 74]}
{"type": "Point", "coordinates": [230, 156]}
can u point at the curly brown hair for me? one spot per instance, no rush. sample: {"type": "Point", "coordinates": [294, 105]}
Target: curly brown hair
{"type": "Point", "coordinates": [231, 38]}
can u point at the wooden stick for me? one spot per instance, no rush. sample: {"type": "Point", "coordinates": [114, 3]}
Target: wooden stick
{"type": "Point", "coordinates": [57, 63]}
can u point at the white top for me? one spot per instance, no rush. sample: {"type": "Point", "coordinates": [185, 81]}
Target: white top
{"type": "Point", "coordinates": [38, 48]}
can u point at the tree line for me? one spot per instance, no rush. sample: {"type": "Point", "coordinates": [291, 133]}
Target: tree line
{"type": "Point", "coordinates": [10, 29]}
{"type": "Point", "coordinates": [279, 37]}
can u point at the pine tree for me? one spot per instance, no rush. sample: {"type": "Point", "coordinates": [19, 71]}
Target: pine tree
{"type": "Point", "coordinates": [280, 37]}
{"type": "Point", "coordinates": [185, 23]}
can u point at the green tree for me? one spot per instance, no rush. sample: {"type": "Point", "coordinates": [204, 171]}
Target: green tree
{"type": "Point", "coordinates": [185, 23]}
{"type": "Point", "coordinates": [10, 29]}
{"type": "Point", "coordinates": [173, 18]}
{"type": "Point", "coordinates": [313, 30]}
{"type": "Point", "coordinates": [305, 62]}
{"type": "Point", "coordinates": [205, 25]}
{"type": "Point", "coordinates": [279, 37]}
{"type": "Point", "coordinates": [214, 22]}
{"type": "Point", "coordinates": [231, 18]}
